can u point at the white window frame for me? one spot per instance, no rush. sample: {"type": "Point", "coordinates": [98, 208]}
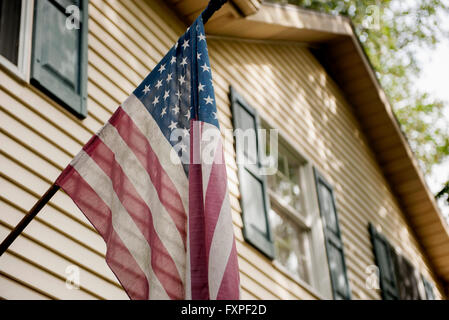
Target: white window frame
{"type": "Point", "coordinates": [22, 69]}
{"type": "Point", "coordinates": [319, 281]}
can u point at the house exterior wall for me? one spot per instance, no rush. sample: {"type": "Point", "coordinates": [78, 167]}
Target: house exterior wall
{"type": "Point", "coordinates": [284, 82]}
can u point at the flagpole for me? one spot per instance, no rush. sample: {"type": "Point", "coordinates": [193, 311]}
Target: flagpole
{"type": "Point", "coordinates": [28, 217]}
{"type": "Point", "coordinates": [213, 6]}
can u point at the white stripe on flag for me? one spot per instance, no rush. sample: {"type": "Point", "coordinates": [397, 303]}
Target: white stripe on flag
{"type": "Point", "coordinates": [122, 223]}
{"type": "Point", "coordinates": [136, 173]}
{"type": "Point", "coordinates": [161, 147]}
{"type": "Point", "coordinates": [210, 144]}
{"type": "Point", "coordinates": [220, 248]}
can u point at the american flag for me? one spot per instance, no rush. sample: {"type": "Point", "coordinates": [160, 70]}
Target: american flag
{"type": "Point", "coordinates": [153, 182]}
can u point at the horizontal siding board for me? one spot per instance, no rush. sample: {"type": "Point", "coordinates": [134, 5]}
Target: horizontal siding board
{"type": "Point", "coordinates": [40, 278]}
{"type": "Point", "coordinates": [35, 253]}
{"type": "Point", "coordinates": [14, 289]}
{"type": "Point", "coordinates": [60, 243]}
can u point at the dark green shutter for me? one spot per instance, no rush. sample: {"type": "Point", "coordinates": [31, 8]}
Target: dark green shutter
{"type": "Point", "coordinates": [407, 278]}
{"type": "Point", "coordinates": [383, 253]}
{"type": "Point", "coordinates": [428, 287]}
{"type": "Point", "coordinates": [59, 60]}
{"type": "Point", "coordinates": [254, 199]}
{"type": "Point", "coordinates": [334, 244]}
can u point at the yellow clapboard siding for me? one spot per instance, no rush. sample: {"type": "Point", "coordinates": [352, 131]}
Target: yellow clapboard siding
{"type": "Point", "coordinates": [125, 56]}
{"type": "Point", "coordinates": [122, 38]}
{"type": "Point", "coordinates": [14, 289]}
{"type": "Point", "coordinates": [151, 49]}
{"type": "Point", "coordinates": [31, 137]}
{"type": "Point", "coordinates": [57, 264]}
{"type": "Point", "coordinates": [18, 267]}
{"type": "Point", "coordinates": [63, 224]}
{"type": "Point", "coordinates": [108, 54]}
{"type": "Point", "coordinates": [67, 247]}
{"type": "Point", "coordinates": [43, 107]}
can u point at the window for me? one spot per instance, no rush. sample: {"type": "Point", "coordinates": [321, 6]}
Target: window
{"type": "Point", "coordinates": [15, 36]}
{"type": "Point", "coordinates": [334, 243]}
{"type": "Point", "coordinates": [280, 210]}
{"type": "Point", "coordinates": [398, 278]}
{"type": "Point", "coordinates": [49, 48]}
{"type": "Point", "coordinates": [291, 230]}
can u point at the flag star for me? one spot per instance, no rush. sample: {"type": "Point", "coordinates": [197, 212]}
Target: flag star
{"type": "Point", "coordinates": [181, 79]}
{"type": "Point", "coordinates": [159, 84]}
{"type": "Point", "coordinates": [172, 125]}
{"type": "Point", "coordinates": [166, 95]}
{"type": "Point", "coordinates": [183, 147]}
{"type": "Point", "coordinates": [162, 68]}
{"type": "Point", "coordinates": [209, 100]}
{"type": "Point", "coordinates": [198, 55]}
{"type": "Point", "coordinates": [146, 89]}
{"type": "Point", "coordinates": [176, 45]}
{"type": "Point", "coordinates": [164, 111]}
{"type": "Point", "coordinates": [173, 60]}
{"type": "Point", "coordinates": [205, 67]}
{"type": "Point", "coordinates": [200, 87]}
{"type": "Point", "coordinates": [176, 109]}
{"type": "Point", "coordinates": [215, 115]}
{"type": "Point", "coordinates": [169, 76]}
{"type": "Point", "coordinates": [178, 94]}
{"type": "Point", "coordinates": [156, 100]}
{"type": "Point", "coordinates": [185, 44]}
{"type": "Point", "coordinates": [186, 132]}
{"type": "Point", "coordinates": [201, 37]}
{"type": "Point", "coordinates": [184, 61]}
{"type": "Point", "coordinates": [187, 115]}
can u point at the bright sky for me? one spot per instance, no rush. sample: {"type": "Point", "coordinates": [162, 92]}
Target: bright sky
{"type": "Point", "coordinates": [435, 80]}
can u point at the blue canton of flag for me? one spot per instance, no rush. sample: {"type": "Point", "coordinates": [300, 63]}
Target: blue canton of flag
{"type": "Point", "coordinates": [179, 89]}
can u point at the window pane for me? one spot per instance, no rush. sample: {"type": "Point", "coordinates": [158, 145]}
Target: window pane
{"type": "Point", "coordinates": [285, 183]}
{"type": "Point", "coordinates": [253, 202]}
{"type": "Point", "coordinates": [289, 241]}
{"type": "Point", "coordinates": [296, 201]}
{"type": "Point", "coordinates": [10, 29]}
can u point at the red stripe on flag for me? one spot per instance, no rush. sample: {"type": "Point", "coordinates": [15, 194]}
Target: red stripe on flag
{"type": "Point", "coordinates": [198, 254]}
{"type": "Point", "coordinates": [230, 284]}
{"type": "Point", "coordinates": [138, 143]}
{"type": "Point", "coordinates": [215, 194]}
{"type": "Point", "coordinates": [161, 261]}
{"type": "Point", "coordinates": [118, 257]}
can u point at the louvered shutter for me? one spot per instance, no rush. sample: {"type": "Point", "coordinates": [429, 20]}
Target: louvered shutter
{"type": "Point", "coordinates": [334, 243]}
{"type": "Point", "coordinates": [59, 60]}
{"type": "Point", "coordinates": [384, 260]}
{"type": "Point", "coordinates": [254, 198]}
